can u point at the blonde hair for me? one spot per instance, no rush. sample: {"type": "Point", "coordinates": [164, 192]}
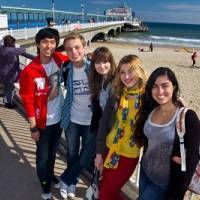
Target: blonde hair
{"type": "Point", "coordinates": [74, 35]}
{"type": "Point", "coordinates": [134, 63]}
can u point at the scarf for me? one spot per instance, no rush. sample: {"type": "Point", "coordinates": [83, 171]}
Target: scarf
{"type": "Point", "coordinates": [119, 140]}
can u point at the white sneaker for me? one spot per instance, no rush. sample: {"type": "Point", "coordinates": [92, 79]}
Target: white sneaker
{"type": "Point", "coordinates": [63, 190]}
{"type": "Point", "coordinates": [71, 191]}
{"type": "Point", "coordinates": [46, 196]}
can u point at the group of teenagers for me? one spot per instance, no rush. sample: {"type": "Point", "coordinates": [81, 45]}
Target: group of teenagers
{"type": "Point", "coordinates": [108, 114]}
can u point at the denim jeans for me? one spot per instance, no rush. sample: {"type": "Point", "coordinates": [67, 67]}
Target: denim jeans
{"type": "Point", "coordinates": [149, 190]}
{"type": "Point", "coordinates": [8, 93]}
{"type": "Point", "coordinates": [77, 158]}
{"type": "Point", "coordinates": [46, 154]}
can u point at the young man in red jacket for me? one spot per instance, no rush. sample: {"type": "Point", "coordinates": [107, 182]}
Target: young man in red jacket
{"type": "Point", "coordinates": [42, 99]}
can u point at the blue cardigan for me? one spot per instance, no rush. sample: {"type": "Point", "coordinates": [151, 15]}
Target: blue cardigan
{"type": "Point", "coordinates": [66, 109]}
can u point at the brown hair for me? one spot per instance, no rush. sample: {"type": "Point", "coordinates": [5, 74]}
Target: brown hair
{"type": "Point", "coordinates": [101, 54]}
{"type": "Point", "coordinates": [9, 41]}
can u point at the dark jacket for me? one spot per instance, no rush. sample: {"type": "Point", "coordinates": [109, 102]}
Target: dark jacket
{"type": "Point", "coordinates": [178, 180]}
{"type": "Point", "coordinates": [106, 123]}
{"type": "Point", "coordinates": [96, 115]}
{"type": "Point", "coordinates": [9, 63]}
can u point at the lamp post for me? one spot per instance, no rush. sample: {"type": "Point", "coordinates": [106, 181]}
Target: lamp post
{"type": "Point", "coordinates": [82, 12]}
{"type": "Point", "coordinates": [53, 10]}
{"type": "Point", "coordinates": [97, 12]}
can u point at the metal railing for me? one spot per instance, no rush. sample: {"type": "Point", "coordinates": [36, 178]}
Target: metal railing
{"type": "Point", "coordinates": [27, 33]}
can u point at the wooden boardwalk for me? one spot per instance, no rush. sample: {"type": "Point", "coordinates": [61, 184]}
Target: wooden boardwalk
{"type": "Point", "coordinates": [18, 179]}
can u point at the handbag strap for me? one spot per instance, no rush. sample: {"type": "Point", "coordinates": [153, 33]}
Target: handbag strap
{"type": "Point", "coordinates": [96, 175]}
{"type": "Point", "coordinates": [180, 128]}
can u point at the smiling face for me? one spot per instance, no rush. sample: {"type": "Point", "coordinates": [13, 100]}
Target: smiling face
{"type": "Point", "coordinates": [162, 90]}
{"type": "Point", "coordinates": [128, 76]}
{"type": "Point", "coordinates": [47, 47]}
{"type": "Point", "coordinates": [102, 68]}
{"type": "Point", "coordinates": [75, 50]}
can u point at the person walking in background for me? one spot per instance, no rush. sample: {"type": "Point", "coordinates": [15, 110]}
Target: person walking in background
{"type": "Point", "coordinates": [151, 47]}
{"type": "Point", "coordinates": [193, 57]}
{"type": "Point", "coordinates": [76, 113]}
{"type": "Point", "coordinates": [9, 67]}
{"type": "Point", "coordinates": [160, 175]}
{"type": "Point", "coordinates": [42, 99]}
{"type": "Point", "coordinates": [118, 146]}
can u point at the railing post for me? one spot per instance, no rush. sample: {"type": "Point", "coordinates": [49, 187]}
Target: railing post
{"type": "Point", "coordinates": [25, 33]}
{"type": "Point", "coordinates": [11, 32]}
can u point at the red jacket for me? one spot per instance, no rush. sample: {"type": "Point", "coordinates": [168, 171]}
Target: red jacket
{"type": "Point", "coordinates": [34, 88]}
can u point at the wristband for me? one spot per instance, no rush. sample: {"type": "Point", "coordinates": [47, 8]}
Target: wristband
{"type": "Point", "coordinates": [33, 129]}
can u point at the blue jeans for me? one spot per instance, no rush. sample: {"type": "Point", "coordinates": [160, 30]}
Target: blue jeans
{"type": "Point", "coordinates": [77, 158]}
{"type": "Point", "coordinates": [149, 190]}
{"type": "Point", "coordinates": [46, 154]}
{"type": "Point", "coordinates": [8, 93]}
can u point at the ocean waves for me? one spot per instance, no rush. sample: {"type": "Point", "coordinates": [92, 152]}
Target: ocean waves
{"type": "Point", "coordinates": [166, 34]}
{"type": "Point", "coordinates": [159, 40]}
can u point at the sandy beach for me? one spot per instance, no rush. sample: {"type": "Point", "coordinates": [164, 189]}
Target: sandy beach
{"type": "Point", "coordinates": [179, 61]}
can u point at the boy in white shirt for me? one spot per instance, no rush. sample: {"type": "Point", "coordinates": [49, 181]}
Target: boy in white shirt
{"type": "Point", "coordinates": [76, 113]}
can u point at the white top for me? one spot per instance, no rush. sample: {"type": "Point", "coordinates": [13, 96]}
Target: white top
{"type": "Point", "coordinates": [81, 106]}
{"type": "Point", "coordinates": [55, 97]}
{"type": "Point", "coordinates": [156, 160]}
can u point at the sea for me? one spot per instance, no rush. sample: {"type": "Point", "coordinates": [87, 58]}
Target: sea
{"type": "Point", "coordinates": [165, 34]}
{"type": "Point", "coordinates": [160, 34]}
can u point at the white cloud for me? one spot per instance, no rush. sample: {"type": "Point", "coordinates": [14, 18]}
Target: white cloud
{"type": "Point", "coordinates": [185, 7]}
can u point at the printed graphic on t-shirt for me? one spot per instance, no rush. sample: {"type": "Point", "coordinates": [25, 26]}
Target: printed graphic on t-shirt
{"type": "Point", "coordinates": [53, 86]}
{"type": "Point", "coordinates": [40, 82]}
{"type": "Point", "coordinates": [81, 87]}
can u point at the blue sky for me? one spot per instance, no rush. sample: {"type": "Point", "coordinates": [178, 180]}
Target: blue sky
{"type": "Point", "coordinates": [177, 11]}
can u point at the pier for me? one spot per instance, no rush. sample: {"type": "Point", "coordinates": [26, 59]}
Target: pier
{"type": "Point", "coordinates": [17, 163]}
{"type": "Point", "coordinates": [18, 15]}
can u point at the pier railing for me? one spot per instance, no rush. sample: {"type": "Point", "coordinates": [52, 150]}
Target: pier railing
{"type": "Point", "coordinates": [27, 33]}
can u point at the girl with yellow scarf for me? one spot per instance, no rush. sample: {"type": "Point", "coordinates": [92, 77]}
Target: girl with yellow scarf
{"type": "Point", "coordinates": [118, 145]}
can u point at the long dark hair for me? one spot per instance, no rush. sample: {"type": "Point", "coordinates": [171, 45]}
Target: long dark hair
{"type": "Point", "coordinates": [147, 101]}
{"type": "Point", "coordinates": [101, 54]}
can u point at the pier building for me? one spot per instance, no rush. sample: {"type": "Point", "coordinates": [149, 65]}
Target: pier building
{"type": "Point", "coordinates": [18, 15]}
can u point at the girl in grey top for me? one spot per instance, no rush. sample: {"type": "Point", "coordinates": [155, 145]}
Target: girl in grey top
{"type": "Point", "coordinates": [161, 177]}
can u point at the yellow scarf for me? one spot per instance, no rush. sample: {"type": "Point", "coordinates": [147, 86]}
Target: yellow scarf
{"type": "Point", "coordinates": [119, 141]}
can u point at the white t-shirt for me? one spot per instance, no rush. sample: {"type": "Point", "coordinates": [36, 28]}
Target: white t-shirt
{"type": "Point", "coordinates": [81, 106]}
{"type": "Point", "coordinates": [55, 97]}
